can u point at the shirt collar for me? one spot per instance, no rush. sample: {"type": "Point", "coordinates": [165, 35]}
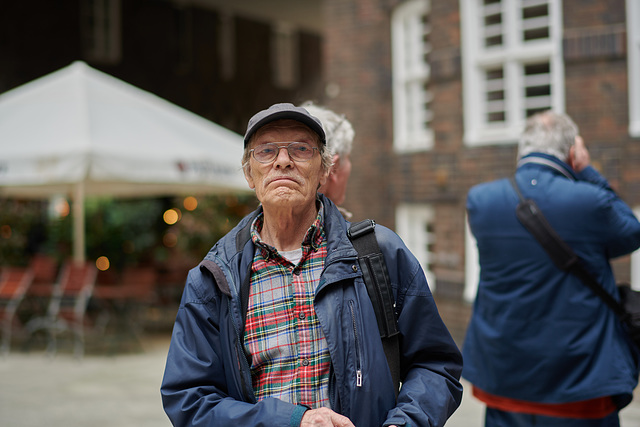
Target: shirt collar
{"type": "Point", "coordinates": [550, 162]}
{"type": "Point", "coordinates": [313, 237]}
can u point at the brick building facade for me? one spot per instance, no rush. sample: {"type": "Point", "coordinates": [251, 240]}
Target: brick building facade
{"type": "Point", "coordinates": [586, 76]}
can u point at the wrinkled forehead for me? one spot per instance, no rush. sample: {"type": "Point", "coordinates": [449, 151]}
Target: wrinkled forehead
{"type": "Point", "coordinates": [284, 131]}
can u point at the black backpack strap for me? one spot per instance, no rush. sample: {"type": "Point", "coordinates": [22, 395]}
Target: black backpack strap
{"type": "Point", "coordinates": [560, 252]}
{"type": "Point", "coordinates": [376, 278]}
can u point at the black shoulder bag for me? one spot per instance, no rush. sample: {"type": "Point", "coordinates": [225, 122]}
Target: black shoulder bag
{"type": "Point", "coordinates": [627, 310]}
{"type": "Point", "coordinates": [376, 278]}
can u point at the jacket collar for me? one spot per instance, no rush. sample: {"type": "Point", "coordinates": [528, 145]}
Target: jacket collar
{"type": "Point", "coordinates": [548, 161]}
{"type": "Point", "coordinates": [235, 242]}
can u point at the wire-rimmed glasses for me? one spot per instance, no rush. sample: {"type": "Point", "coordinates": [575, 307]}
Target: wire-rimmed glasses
{"type": "Point", "coordinates": [298, 151]}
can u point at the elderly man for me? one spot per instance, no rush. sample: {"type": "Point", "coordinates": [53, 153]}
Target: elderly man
{"type": "Point", "coordinates": [541, 348]}
{"type": "Point", "coordinates": [276, 328]}
{"type": "Point", "coordinates": [340, 136]}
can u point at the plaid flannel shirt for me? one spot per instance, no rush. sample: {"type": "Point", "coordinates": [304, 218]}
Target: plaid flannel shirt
{"type": "Point", "coordinates": [289, 355]}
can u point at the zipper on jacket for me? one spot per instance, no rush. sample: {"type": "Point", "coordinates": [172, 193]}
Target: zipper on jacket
{"type": "Point", "coordinates": [357, 343]}
{"type": "Point", "coordinates": [242, 362]}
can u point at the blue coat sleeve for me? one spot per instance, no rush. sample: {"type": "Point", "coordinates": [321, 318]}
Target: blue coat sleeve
{"type": "Point", "coordinates": [430, 360]}
{"type": "Point", "coordinates": [618, 225]}
{"type": "Point", "coordinates": [202, 383]}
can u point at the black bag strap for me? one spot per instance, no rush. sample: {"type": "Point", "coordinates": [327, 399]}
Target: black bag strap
{"type": "Point", "coordinates": [560, 252]}
{"type": "Point", "coordinates": [376, 278]}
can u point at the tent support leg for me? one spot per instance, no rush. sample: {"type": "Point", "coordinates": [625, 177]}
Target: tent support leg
{"type": "Point", "coordinates": [79, 255]}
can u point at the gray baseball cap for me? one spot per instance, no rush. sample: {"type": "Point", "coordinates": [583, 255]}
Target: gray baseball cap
{"type": "Point", "coordinates": [283, 111]}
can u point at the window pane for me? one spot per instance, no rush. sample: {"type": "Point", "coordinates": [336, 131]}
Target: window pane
{"type": "Point", "coordinates": [495, 95]}
{"type": "Point", "coordinates": [537, 87]}
{"type": "Point", "coordinates": [492, 23]}
{"type": "Point", "coordinates": [535, 21]}
{"type": "Point", "coordinates": [411, 33]}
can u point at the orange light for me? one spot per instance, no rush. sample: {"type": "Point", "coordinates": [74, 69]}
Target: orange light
{"type": "Point", "coordinates": [62, 208]}
{"type": "Point", "coordinates": [171, 216]}
{"type": "Point", "coordinates": [103, 263]}
{"type": "Point", "coordinates": [190, 203]}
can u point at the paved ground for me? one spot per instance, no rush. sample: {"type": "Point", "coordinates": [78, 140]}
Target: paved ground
{"type": "Point", "coordinates": [123, 391]}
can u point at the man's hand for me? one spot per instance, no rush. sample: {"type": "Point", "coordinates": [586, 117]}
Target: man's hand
{"type": "Point", "coordinates": [578, 155]}
{"type": "Point", "coordinates": [324, 417]}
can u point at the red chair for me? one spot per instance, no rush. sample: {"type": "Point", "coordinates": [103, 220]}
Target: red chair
{"type": "Point", "coordinates": [14, 283]}
{"type": "Point", "coordinates": [68, 305]}
{"type": "Point", "coordinates": [124, 303]}
{"type": "Point", "coordinates": [45, 275]}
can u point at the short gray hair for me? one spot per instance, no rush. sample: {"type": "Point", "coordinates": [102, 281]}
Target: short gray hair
{"type": "Point", "coordinates": [338, 129]}
{"type": "Point", "coordinates": [549, 133]}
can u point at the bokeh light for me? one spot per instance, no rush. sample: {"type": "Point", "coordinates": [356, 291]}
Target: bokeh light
{"type": "Point", "coordinates": [102, 263]}
{"type": "Point", "coordinates": [60, 207]}
{"type": "Point", "coordinates": [170, 239]}
{"type": "Point", "coordinates": [190, 203]}
{"type": "Point", "coordinates": [171, 216]}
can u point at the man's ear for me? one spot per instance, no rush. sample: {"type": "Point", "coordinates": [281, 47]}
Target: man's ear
{"type": "Point", "coordinates": [248, 177]}
{"type": "Point", "coordinates": [570, 159]}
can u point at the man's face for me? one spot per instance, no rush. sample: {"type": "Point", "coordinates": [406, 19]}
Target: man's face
{"type": "Point", "coordinates": [336, 186]}
{"type": "Point", "coordinates": [285, 182]}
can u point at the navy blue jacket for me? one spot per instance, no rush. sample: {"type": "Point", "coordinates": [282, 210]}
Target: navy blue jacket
{"type": "Point", "coordinates": [537, 333]}
{"type": "Point", "coordinates": [207, 380]}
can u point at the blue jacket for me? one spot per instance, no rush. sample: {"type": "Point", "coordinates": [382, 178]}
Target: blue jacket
{"type": "Point", "coordinates": [538, 333]}
{"type": "Point", "coordinates": [207, 380]}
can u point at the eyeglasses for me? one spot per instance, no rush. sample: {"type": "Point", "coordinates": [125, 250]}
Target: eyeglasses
{"type": "Point", "coordinates": [298, 151]}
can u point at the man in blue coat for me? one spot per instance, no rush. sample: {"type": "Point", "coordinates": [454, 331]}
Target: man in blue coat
{"type": "Point", "coordinates": [541, 348]}
{"type": "Point", "coordinates": [275, 326]}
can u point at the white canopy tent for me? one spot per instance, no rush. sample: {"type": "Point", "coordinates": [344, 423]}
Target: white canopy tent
{"type": "Point", "coordinates": [79, 132]}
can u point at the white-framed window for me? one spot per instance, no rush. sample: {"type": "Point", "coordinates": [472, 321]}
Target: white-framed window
{"type": "Point", "coordinates": [635, 262]}
{"type": "Point", "coordinates": [471, 265]}
{"type": "Point", "coordinates": [415, 226]}
{"type": "Point", "coordinates": [284, 55]}
{"type": "Point", "coordinates": [412, 99]}
{"type": "Point", "coordinates": [512, 66]}
{"type": "Point", "coordinates": [633, 61]}
{"type": "Point", "coordinates": [101, 30]}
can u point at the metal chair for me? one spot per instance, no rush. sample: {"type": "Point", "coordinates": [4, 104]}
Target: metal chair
{"type": "Point", "coordinates": [14, 283]}
{"type": "Point", "coordinates": [68, 306]}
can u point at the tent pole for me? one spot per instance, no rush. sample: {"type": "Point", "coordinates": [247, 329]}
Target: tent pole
{"type": "Point", "coordinates": [78, 224]}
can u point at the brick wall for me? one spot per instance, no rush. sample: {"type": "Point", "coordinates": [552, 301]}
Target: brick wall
{"type": "Point", "coordinates": [358, 62]}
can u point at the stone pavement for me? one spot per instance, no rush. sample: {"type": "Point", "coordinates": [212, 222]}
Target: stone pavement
{"type": "Point", "coordinates": [97, 391]}
{"type": "Point", "coordinates": [123, 390]}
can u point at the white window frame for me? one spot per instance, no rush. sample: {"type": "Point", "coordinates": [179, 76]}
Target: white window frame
{"type": "Point", "coordinates": [285, 55]}
{"type": "Point", "coordinates": [412, 221]}
{"type": "Point", "coordinates": [471, 264]}
{"type": "Point", "coordinates": [633, 61]}
{"type": "Point", "coordinates": [512, 55]}
{"type": "Point", "coordinates": [411, 73]}
{"type": "Point", "coordinates": [101, 24]}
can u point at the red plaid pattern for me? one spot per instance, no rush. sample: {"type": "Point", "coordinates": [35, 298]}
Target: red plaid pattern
{"type": "Point", "coordinates": [289, 354]}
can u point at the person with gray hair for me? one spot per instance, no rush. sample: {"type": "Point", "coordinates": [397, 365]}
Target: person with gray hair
{"type": "Point", "coordinates": [275, 326]}
{"type": "Point", "coordinates": [549, 133]}
{"type": "Point", "coordinates": [340, 136]}
{"type": "Point", "coordinates": [541, 347]}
